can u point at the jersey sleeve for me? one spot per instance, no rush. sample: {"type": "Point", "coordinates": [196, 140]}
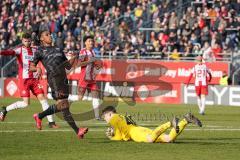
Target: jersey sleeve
{"type": "Point", "coordinates": [17, 51]}
{"type": "Point", "coordinates": [64, 56]}
{"type": "Point", "coordinates": [117, 135]}
{"type": "Point", "coordinates": [67, 65]}
{"type": "Point", "coordinates": [82, 56]}
{"type": "Point", "coordinates": [209, 74]}
{"type": "Point", "coordinates": [8, 53]}
{"type": "Point", "coordinates": [118, 121]}
{"type": "Point", "coordinates": [191, 75]}
{"type": "Point", "coordinates": [208, 71]}
{"type": "Point", "coordinates": [37, 57]}
{"type": "Point", "coordinates": [193, 70]}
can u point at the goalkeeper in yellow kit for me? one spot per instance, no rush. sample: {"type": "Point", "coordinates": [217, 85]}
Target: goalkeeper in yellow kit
{"type": "Point", "coordinates": [124, 128]}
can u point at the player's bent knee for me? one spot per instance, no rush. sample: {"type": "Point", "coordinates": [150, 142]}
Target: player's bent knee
{"type": "Point", "coordinates": [167, 139]}
{"type": "Point", "coordinates": [80, 97]}
{"type": "Point", "coordinates": [25, 104]}
{"type": "Point", "coordinates": [81, 92]}
{"type": "Point", "coordinates": [149, 139]}
{"type": "Point", "coordinates": [22, 104]}
{"type": "Point", "coordinates": [62, 104]}
{"type": "Point", "coordinates": [41, 97]}
{"type": "Point", "coordinates": [95, 94]}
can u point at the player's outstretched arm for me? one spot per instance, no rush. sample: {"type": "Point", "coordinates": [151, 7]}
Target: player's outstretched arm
{"type": "Point", "coordinates": [72, 61]}
{"type": "Point", "coordinates": [116, 138]}
{"type": "Point", "coordinates": [84, 63]}
{"type": "Point", "coordinates": [8, 52]}
{"type": "Point", "coordinates": [189, 79]}
{"type": "Point", "coordinates": [70, 64]}
{"type": "Point", "coordinates": [210, 76]}
{"type": "Point", "coordinates": [114, 134]}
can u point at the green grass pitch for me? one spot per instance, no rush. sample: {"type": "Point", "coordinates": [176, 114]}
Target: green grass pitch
{"type": "Point", "coordinates": [219, 139]}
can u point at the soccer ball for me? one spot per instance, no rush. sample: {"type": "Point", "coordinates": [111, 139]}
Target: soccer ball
{"type": "Point", "coordinates": [110, 132]}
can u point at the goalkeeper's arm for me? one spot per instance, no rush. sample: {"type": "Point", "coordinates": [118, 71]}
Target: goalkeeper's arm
{"type": "Point", "coordinates": [113, 134]}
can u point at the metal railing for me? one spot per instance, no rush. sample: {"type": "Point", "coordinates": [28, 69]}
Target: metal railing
{"type": "Point", "coordinates": [166, 56]}
{"type": "Point", "coordinates": [9, 68]}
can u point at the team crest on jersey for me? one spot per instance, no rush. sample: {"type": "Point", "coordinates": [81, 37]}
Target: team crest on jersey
{"type": "Point", "coordinates": [28, 57]}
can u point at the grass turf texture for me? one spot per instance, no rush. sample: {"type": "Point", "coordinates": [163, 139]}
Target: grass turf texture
{"type": "Point", "coordinates": [219, 138]}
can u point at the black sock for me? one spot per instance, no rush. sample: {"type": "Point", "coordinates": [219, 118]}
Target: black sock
{"type": "Point", "coordinates": [68, 117]}
{"type": "Point", "coordinates": [51, 110]}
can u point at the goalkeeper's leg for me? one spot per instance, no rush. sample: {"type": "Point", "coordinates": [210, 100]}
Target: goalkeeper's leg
{"type": "Point", "coordinates": [161, 129]}
{"type": "Point", "coordinates": [165, 138]}
{"type": "Point", "coordinates": [158, 131]}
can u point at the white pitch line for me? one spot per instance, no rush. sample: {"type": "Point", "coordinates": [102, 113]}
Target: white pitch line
{"type": "Point", "coordinates": [102, 130]}
{"type": "Point", "coordinates": [103, 123]}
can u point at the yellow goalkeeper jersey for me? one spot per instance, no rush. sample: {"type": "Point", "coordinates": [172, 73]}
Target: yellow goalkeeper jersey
{"type": "Point", "coordinates": [121, 128]}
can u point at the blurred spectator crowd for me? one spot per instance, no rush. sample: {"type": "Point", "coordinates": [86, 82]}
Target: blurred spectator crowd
{"type": "Point", "coordinates": [183, 28]}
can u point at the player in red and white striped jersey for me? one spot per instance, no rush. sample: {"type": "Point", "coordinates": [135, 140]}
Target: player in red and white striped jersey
{"type": "Point", "coordinates": [27, 80]}
{"type": "Point", "coordinates": [202, 78]}
{"type": "Point", "coordinates": [89, 66]}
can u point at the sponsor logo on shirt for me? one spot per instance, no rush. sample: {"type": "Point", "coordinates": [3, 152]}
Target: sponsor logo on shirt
{"type": "Point", "coordinates": [27, 57]}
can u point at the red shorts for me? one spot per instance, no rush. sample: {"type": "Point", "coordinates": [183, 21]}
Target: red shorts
{"type": "Point", "coordinates": [83, 85]}
{"type": "Point", "coordinates": [201, 90]}
{"type": "Point", "coordinates": [31, 84]}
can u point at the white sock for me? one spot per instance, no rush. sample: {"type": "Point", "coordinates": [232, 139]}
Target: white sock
{"type": "Point", "coordinates": [16, 105]}
{"type": "Point", "coordinates": [72, 99]}
{"type": "Point", "coordinates": [203, 104]}
{"type": "Point", "coordinates": [96, 104]}
{"type": "Point", "coordinates": [45, 106]}
{"type": "Point", "coordinates": [199, 103]}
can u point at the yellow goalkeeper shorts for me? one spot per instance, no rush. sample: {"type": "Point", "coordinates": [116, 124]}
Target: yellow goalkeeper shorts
{"type": "Point", "coordinates": [139, 134]}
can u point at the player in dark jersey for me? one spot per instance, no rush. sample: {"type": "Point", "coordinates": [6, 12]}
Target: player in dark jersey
{"type": "Point", "coordinates": [55, 62]}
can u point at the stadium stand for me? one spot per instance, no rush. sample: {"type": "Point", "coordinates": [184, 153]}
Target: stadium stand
{"type": "Point", "coordinates": [160, 29]}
